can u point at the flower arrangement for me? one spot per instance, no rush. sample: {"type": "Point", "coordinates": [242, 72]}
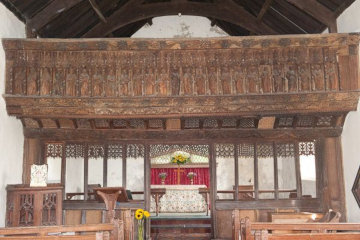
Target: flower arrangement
{"type": "Point", "coordinates": [141, 215]}
{"type": "Point", "coordinates": [162, 175]}
{"type": "Point", "coordinates": [191, 175]}
{"type": "Point", "coordinates": [180, 157]}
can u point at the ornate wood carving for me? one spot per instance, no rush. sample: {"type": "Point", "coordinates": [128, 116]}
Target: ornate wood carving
{"type": "Point", "coordinates": [172, 77]}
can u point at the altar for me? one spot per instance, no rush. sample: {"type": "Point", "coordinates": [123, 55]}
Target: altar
{"type": "Point", "coordinates": [180, 199]}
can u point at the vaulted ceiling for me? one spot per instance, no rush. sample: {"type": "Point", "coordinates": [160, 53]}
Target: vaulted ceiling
{"type": "Point", "coordinates": [122, 18]}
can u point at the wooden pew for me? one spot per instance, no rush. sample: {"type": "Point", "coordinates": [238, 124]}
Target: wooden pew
{"type": "Point", "coordinates": [245, 230]}
{"type": "Point", "coordinates": [107, 231]}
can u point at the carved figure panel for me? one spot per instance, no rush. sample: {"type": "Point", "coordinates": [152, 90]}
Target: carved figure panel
{"type": "Point", "coordinates": [252, 66]}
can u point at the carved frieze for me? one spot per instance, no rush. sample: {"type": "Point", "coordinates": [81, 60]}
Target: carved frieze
{"type": "Point", "coordinates": [174, 77]}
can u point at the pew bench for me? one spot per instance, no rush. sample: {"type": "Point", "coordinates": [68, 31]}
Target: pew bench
{"type": "Point", "coordinates": [106, 231]}
{"type": "Point", "coordinates": [245, 230]}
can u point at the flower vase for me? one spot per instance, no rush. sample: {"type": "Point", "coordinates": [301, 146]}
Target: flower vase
{"type": "Point", "coordinates": [163, 181]}
{"type": "Point", "coordinates": [191, 181]}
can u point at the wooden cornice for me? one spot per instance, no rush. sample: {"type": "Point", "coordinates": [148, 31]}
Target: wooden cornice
{"type": "Point", "coordinates": [225, 10]}
{"type": "Point", "coordinates": [176, 107]}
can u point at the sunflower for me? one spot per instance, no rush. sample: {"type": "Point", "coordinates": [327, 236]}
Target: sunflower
{"type": "Point", "coordinates": [146, 214]}
{"type": "Point", "coordinates": [139, 216]}
{"type": "Point", "coordinates": [139, 211]}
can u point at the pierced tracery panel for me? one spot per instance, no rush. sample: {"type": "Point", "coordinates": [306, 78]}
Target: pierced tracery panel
{"type": "Point", "coordinates": [9, 211]}
{"type": "Point", "coordinates": [264, 150]}
{"type": "Point", "coordinates": [210, 123]}
{"type": "Point", "coordinates": [137, 123]}
{"type": "Point", "coordinates": [119, 123]}
{"type": "Point", "coordinates": [96, 151]}
{"type": "Point", "coordinates": [306, 148]}
{"type": "Point", "coordinates": [26, 217]}
{"type": "Point", "coordinates": [324, 121]}
{"type": "Point", "coordinates": [284, 122]}
{"type": "Point", "coordinates": [83, 123]}
{"type": "Point", "coordinates": [229, 123]}
{"type": "Point", "coordinates": [54, 150]}
{"type": "Point", "coordinates": [246, 150]}
{"type": "Point", "coordinates": [285, 150]}
{"type": "Point", "coordinates": [74, 150]}
{"type": "Point", "coordinates": [135, 150]}
{"type": "Point", "coordinates": [225, 150]}
{"type": "Point", "coordinates": [115, 151]}
{"type": "Point", "coordinates": [101, 123]}
{"type": "Point", "coordinates": [156, 123]}
{"type": "Point", "coordinates": [247, 123]}
{"type": "Point", "coordinates": [191, 123]}
{"type": "Point", "coordinates": [305, 121]}
{"type": "Point", "coordinates": [49, 209]}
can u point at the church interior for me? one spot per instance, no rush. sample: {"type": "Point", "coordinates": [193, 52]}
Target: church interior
{"type": "Point", "coordinates": [179, 119]}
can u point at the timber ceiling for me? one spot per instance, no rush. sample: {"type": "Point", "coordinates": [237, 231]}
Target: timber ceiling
{"type": "Point", "coordinates": [122, 18]}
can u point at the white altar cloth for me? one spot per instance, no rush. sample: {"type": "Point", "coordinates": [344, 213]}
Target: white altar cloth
{"type": "Point", "coordinates": [180, 199]}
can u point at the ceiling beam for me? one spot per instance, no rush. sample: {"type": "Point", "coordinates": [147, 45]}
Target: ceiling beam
{"type": "Point", "coordinates": [97, 10]}
{"type": "Point", "coordinates": [225, 10]}
{"type": "Point", "coordinates": [50, 12]}
{"type": "Point", "coordinates": [264, 9]}
{"type": "Point", "coordinates": [317, 11]}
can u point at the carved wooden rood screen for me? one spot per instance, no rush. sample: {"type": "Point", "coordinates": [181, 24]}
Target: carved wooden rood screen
{"type": "Point", "coordinates": [267, 92]}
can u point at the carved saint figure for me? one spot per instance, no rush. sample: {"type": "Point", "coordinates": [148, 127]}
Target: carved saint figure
{"type": "Point", "coordinates": [265, 76]}
{"type": "Point", "coordinates": [175, 81]}
{"type": "Point", "coordinates": [137, 82]}
{"type": "Point", "coordinates": [163, 82]}
{"type": "Point", "coordinates": [124, 80]}
{"type": "Point", "coordinates": [58, 81]}
{"type": "Point", "coordinates": [150, 79]}
{"type": "Point", "coordinates": [45, 81]}
{"type": "Point", "coordinates": [317, 77]}
{"type": "Point", "coordinates": [331, 76]}
{"type": "Point", "coordinates": [240, 80]}
{"type": "Point", "coordinates": [71, 78]}
{"type": "Point", "coordinates": [187, 81]}
{"type": "Point", "coordinates": [291, 78]}
{"type": "Point", "coordinates": [19, 79]}
{"type": "Point", "coordinates": [32, 81]}
{"type": "Point", "coordinates": [97, 81]}
{"type": "Point", "coordinates": [111, 83]}
{"type": "Point", "coordinates": [226, 81]}
{"type": "Point", "coordinates": [253, 79]}
{"type": "Point", "coordinates": [84, 82]}
{"type": "Point", "coordinates": [304, 77]}
{"type": "Point", "coordinates": [213, 80]}
{"type": "Point", "coordinates": [200, 81]}
{"type": "Point", "coordinates": [278, 76]}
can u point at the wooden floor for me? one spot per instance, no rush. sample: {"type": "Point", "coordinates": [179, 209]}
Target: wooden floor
{"type": "Point", "coordinates": [181, 228]}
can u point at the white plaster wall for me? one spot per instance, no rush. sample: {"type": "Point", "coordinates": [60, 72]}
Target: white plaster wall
{"type": "Point", "coordinates": [349, 21]}
{"type": "Point", "coordinates": [179, 27]}
{"type": "Point", "coordinates": [11, 136]}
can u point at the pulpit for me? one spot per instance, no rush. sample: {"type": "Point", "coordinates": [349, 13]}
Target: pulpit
{"type": "Point", "coordinates": [180, 199]}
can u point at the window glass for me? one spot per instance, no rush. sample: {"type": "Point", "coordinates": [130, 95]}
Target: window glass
{"type": "Point", "coordinates": [246, 171]}
{"type": "Point", "coordinates": [265, 155]}
{"type": "Point", "coordinates": [285, 153]}
{"type": "Point", "coordinates": [225, 171]}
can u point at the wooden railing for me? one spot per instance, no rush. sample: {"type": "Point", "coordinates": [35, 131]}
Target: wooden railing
{"type": "Point", "coordinates": [108, 231]}
{"type": "Point", "coordinates": [245, 230]}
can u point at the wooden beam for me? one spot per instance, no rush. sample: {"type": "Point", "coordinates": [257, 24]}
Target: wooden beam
{"type": "Point", "coordinates": [227, 10]}
{"type": "Point", "coordinates": [317, 11]}
{"type": "Point", "coordinates": [97, 10]}
{"type": "Point", "coordinates": [50, 12]}
{"type": "Point", "coordinates": [264, 9]}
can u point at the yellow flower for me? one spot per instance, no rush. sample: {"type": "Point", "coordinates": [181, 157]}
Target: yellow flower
{"type": "Point", "coordinates": [146, 214]}
{"type": "Point", "coordinates": [139, 216]}
{"type": "Point", "coordinates": [139, 211]}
